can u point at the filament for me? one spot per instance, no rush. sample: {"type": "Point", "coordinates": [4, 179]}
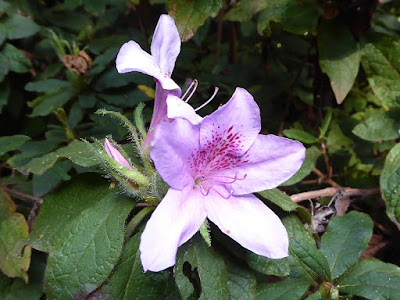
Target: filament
{"type": "Point", "coordinates": [209, 100]}
{"type": "Point", "coordinates": [192, 85]}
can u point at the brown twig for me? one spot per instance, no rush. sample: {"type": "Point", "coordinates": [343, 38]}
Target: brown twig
{"type": "Point", "coordinates": [331, 191]}
{"type": "Point", "coordinates": [23, 195]}
{"type": "Point", "coordinates": [327, 179]}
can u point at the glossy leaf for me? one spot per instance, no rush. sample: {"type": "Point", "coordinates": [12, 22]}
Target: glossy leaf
{"type": "Point", "coordinates": [279, 198]}
{"type": "Point", "coordinates": [77, 151]}
{"type": "Point", "coordinates": [390, 183]}
{"type": "Point", "coordinates": [16, 59]}
{"type": "Point", "coordinates": [339, 60]}
{"type": "Point", "coordinates": [345, 240]}
{"type": "Point", "coordinates": [244, 10]}
{"type": "Point", "coordinates": [268, 266]}
{"type": "Point", "coordinates": [372, 279]}
{"type": "Point", "coordinates": [53, 99]}
{"type": "Point", "coordinates": [18, 27]}
{"type": "Point", "coordinates": [189, 15]}
{"type": "Point", "coordinates": [46, 85]}
{"type": "Point", "coordinates": [14, 259]}
{"type": "Point", "coordinates": [289, 289]}
{"type": "Point", "coordinates": [306, 261]}
{"type": "Point", "coordinates": [300, 135]}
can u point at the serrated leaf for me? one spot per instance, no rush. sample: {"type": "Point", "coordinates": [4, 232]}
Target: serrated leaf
{"type": "Point", "coordinates": [50, 101]}
{"type": "Point", "coordinates": [382, 126]}
{"type": "Point", "coordinates": [372, 279]}
{"type": "Point", "coordinates": [46, 85]}
{"type": "Point", "coordinates": [308, 165]}
{"type": "Point", "coordinates": [295, 17]}
{"type": "Point", "coordinates": [19, 27]}
{"type": "Point", "coordinates": [380, 62]}
{"type": "Point", "coordinates": [340, 60]}
{"type": "Point", "coordinates": [63, 207]}
{"type": "Point", "coordinates": [300, 135]}
{"type": "Point", "coordinates": [345, 240]}
{"type": "Point", "coordinates": [306, 261]}
{"type": "Point", "coordinates": [128, 280]}
{"type": "Point", "coordinates": [279, 198]}
{"type": "Point", "coordinates": [77, 151]}
{"type": "Point", "coordinates": [16, 59]}
{"type": "Point", "coordinates": [210, 267]}
{"type": "Point", "coordinates": [88, 248]}
{"type": "Point", "coordinates": [289, 289]}
{"type": "Point", "coordinates": [14, 260]}
{"type": "Point", "coordinates": [241, 283]}
{"type": "Point", "coordinates": [190, 14]}
{"type": "Point", "coordinates": [390, 183]}
{"type": "Point", "coordinates": [9, 143]}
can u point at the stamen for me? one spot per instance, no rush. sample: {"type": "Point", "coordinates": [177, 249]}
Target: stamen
{"type": "Point", "coordinates": [194, 83]}
{"type": "Point", "coordinates": [208, 101]}
{"type": "Point", "coordinates": [224, 179]}
{"type": "Point", "coordinates": [230, 194]}
{"type": "Point", "coordinates": [203, 192]}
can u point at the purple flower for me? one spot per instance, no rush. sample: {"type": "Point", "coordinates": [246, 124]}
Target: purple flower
{"type": "Point", "coordinates": [212, 169]}
{"type": "Point", "coordinates": [115, 154]}
{"type": "Point", "coordinates": [165, 48]}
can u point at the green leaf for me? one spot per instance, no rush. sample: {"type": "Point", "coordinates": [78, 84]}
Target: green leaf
{"type": "Point", "coordinates": [210, 266]}
{"type": "Point", "coordinates": [340, 59]}
{"type": "Point", "coordinates": [77, 151]}
{"type": "Point", "coordinates": [241, 283]}
{"type": "Point", "coordinates": [308, 165]}
{"type": "Point", "coordinates": [128, 281]}
{"type": "Point", "coordinates": [325, 124]}
{"type": "Point", "coordinates": [46, 85]}
{"type": "Point", "coordinates": [4, 92]}
{"type": "Point", "coordinates": [372, 279]}
{"type": "Point", "coordinates": [295, 17]}
{"type": "Point", "coordinates": [17, 60]}
{"type": "Point", "coordinates": [190, 14]}
{"type": "Point", "coordinates": [89, 247]}
{"type": "Point", "coordinates": [19, 27]}
{"type": "Point", "coordinates": [17, 289]}
{"type": "Point", "coordinates": [244, 10]}
{"type": "Point", "coordinates": [9, 143]}
{"type": "Point", "coordinates": [50, 101]}
{"type": "Point", "coordinates": [300, 135]}
{"type": "Point", "coordinates": [380, 62]}
{"type": "Point", "coordinates": [382, 126]}
{"type": "Point", "coordinates": [345, 240]}
{"type": "Point", "coordinates": [279, 198]}
{"type": "Point", "coordinates": [306, 261]}
{"type": "Point", "coordinates": [289, 289]}
{"type": "Point", "coordinates": [14, 260]}
{"type": "Point", "coordinates": [390, 183]}
{"type": "Point", "coordinates": [3, 33]}
{"type": "Point", "coordinates": [268, 266]}
{"type": "Point", "coordinates": [64, 207]}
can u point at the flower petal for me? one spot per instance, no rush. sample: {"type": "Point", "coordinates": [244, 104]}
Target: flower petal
{"type": "Point", "coordinates": [176, 219]}
{"type": "Point", "coordinates": [180, 109]}
{"type": "Point", "coordinates": [132, 58]}
{"type": "Point", "coordinates": [237, 123]}
{"type": "Point", "coordinates": [172, 148]}
{"type": "Point", "coordinates": [270, 161]}
{"type": "Point", "coordinates": [115, 154]}
{"type": "Point", "coordinates": [166, 43]}
{"type": "Point", "coordinates": [249, 222]}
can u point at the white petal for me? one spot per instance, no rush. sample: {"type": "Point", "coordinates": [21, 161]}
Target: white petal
{"type": "Point", "coordinates": [132, 58]}
{"type": "Point", "coordinates": [249, 222]}
{"type": "Point", "coordinates": [176, 219]}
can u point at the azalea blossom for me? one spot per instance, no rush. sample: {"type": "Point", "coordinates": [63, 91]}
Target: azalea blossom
{"type": "Point", "coordinates": [115, 154]}
{"type": "Point", "coordinates": [212, 169]}
{"type": "Point", "coordinates": [165, 48]}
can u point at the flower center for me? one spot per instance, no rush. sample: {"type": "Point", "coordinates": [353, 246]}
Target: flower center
{"type": "Point", "coordinates": [206, 183]}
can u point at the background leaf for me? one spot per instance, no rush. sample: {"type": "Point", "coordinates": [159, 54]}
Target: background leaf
{"type": "Point", "coordinates": [9, 143]}
{"type": "Point", "coordinates": [339, 60]}
{"type": "Point", "coordinates": [289, 289]}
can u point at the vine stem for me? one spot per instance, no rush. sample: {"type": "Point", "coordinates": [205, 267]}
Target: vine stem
{"type": "Point", "coordinates": [331, 191]}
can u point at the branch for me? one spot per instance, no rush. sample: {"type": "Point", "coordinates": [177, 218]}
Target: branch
{"type": "Point", "coordinates": [331, 191]}
{"type": "Point", "coordinates": [22, 195]}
